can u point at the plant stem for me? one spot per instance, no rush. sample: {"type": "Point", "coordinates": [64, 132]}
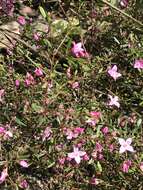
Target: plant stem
{"type": "Point", "coordinates": [123, 13]}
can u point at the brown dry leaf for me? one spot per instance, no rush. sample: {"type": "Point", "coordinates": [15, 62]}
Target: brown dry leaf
{"type": "Point", "coordinates": [12, 28]}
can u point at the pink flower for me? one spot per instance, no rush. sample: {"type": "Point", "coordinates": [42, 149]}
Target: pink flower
{"type": "Point", "coordinates": [29, 79]}
{"type": "Point", "coordinates": [113, 101]}
{"type": "Point", "coordinates": [3, 176]}
{"type": "Point", "coordinates": [98, 147]}
{"type": "Point", "coordinates": [36, 36]}
{"type": "Point", "coordinates": [111, 147]}
{"type": "Point", "coordinates": [75, 85]}
{"type": "Point", "coordinates": [6, 133]}
{"type": "Point", "coordinates": [100, 156]}
{"type": "Point", "coordinates": [125, 145]}
{"type": "Point", "coordinates": [86, 157]}
{"type": "Point", "coordinates": [105, 130]}
{"type": "Point", "coordinates": [62, 161]}
{"type": "Point", "coordinates": [24, 163]}
{"type": "Point", "coordinates": [126, 165]}
{"type": "Point", "coordinates": [95, 114]}
{"type": "Point", "coordinates": [138, 64]}
{"type": "Point", "coordinates": [76, 155]}
{"type": "Point", "coordinates": [23, 184]}
{"type": "Point", "coordinates": [113, 72]}
{"type": "Point", "coordinates": [94, 181]}
{"type": "Point", "coordinates": [78, 51]}
{"type": "Point", "coordinates": [17, 83]}
{"type": "Point", "coordinates": [78, 130]}
{"type": "Point", "coordinates": [141, 166]}
{"type": "Point", "coordinates": [38, 72]}
{"type": "Point", "coordinates": [21, 20]}
{"type": "Point", "coordinates": [2, 130]}
{"type": "Point", "coordinates": [46, 134]}
{"type": "Point", "coordinates": [1, 94]}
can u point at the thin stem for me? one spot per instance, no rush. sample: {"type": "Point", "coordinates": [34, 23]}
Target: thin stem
{"type": "Point", "coordinates": [123, 13]}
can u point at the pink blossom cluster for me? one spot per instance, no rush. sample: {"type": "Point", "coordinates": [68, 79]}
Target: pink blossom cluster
{"type": "Point", "coordinates": [73, 133]}
{"type": "Point", "coordinates": [94, 118]}
{"type": "Point", "coordinates": [5, 133]}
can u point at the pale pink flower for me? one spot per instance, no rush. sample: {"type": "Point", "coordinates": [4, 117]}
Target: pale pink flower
{"type": "Point", "coordinates": [76, 155]}
{"type": "Point", "coordinates": [114, 101]}
{"type": "Point", "coordinates": [113, 72]}
{"type": "Point", "coordinates": [17, 83]}
{"type": "Point", "coordinates": [21, 20]}
{"type": "Point", "coordinates": [78, 51]}
{"type": "Point", "coordinates": [38, 72]}
{"type": "Point", "coordinates": [29, 79]}
{"type": "Point", "coordinates": [46, 134]}
{"type": "Point", "coordinates": [69, 72]}
{"type": "Point", "coordinates": [8, 134]}
{"type": "Point", "coordinates": [1, 94]}
{"type": "Point", "coordinates": [36, 36]}
{"type": "Point", "coordinates": [125, 145]}
{"type": "Point", "coordinates": [75, 85]}
{"type": "Point", "coordinates": [3, 176]}
{"type": "Point", "coordinates": [23, 184]}
{"type": "Point", "coordinates": [138, 64]}
{"type": "Point", "coordinates": [73, 133]}
{"type": "Point", "coordinates": [141, 166]}
{"type": "Point", "coordinates": [70, 134]}
{"type": "Point", "coordinates": [91, 122]}
{"type": "Point", "coordinates": [124, 3]}
{"type": "Point", "coordinates": [126, 165]}
{"type": "Point", "coordinates": [24, 163]}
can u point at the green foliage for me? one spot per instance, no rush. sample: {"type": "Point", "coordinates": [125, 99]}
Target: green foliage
{"type": "Point", "coordinates": [38, 114]}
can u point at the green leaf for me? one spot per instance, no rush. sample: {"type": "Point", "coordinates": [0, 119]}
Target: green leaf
{"type": "Point", "coordinates": [99, 166]}
{"type": "Point", "coordinates": [19, 122]}
{"type": "Point", "coordinates": [43, 12]}
{"type": "Point", "coordinates": [139, 122]}
{"type": "Point", "coordinates": [52, 164]}
{"type": "Point", "coordinates": [36, 107]}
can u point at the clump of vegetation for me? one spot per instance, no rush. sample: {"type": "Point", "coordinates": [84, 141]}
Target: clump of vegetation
{"type": "Point", "coordinates": [71, 95]}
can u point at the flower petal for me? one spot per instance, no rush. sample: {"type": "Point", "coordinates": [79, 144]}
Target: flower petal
{"type": "Point", "coordinates": [71, 155]}
{"type": "Point", "coordinates": [122, 149]}
{"type": "Point", "coordinates": [82, 153]}
{"type": "Point", "coordinates": [129, 141]}
{"type": "Point", "coordinates": [77, 159]}
{"type": "Point", "coordinates": [130, 148]}
{"type": "Point", "coordinates": [121, 141]}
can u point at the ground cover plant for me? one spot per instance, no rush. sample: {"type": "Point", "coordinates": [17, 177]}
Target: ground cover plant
{"type": "Point", "coordinates": [71, 95]}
